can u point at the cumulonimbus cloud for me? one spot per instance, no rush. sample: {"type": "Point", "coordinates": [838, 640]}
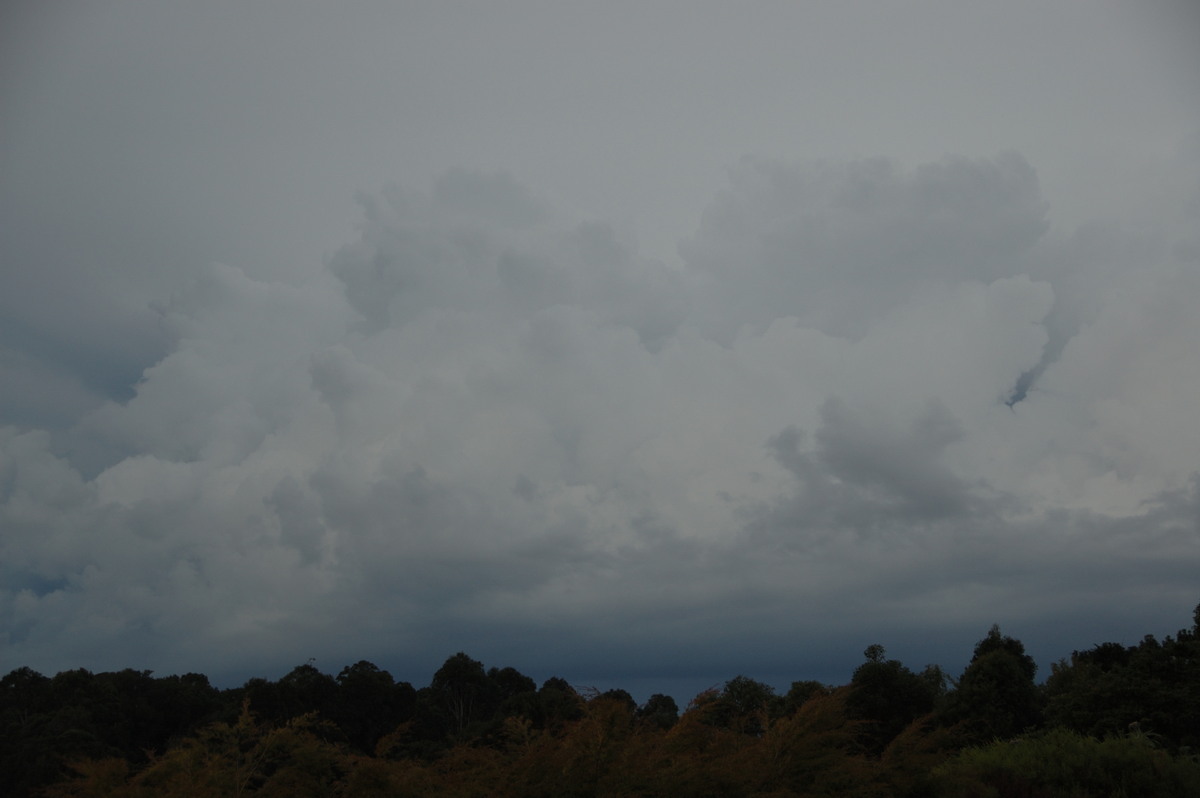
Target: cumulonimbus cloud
{"type": "Point", "coordinates": [489, 421]}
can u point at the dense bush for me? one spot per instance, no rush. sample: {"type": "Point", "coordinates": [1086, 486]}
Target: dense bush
{"type": "Point", "coordinates": [1060, 763]}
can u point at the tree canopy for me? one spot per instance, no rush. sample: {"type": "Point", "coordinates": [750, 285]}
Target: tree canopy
{"type": "Point", "coordinates": [1114, 717]}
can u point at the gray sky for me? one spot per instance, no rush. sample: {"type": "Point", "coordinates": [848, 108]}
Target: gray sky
{"type": "Point", "coordinates": [645, 344]}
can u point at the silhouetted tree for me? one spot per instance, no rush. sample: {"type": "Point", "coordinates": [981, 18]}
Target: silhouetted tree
{"type": "Point", "coordinates": [743, 705]}
{"type": "Point", "coordinates": [800, 692]}
{"type": "Point", "coordinates": [558, 704]}
{"type": "Point", "coordinates": [464, 690]}
{"type": "Point", "coordinates": [1152, 686]}
{"type": "Point", "coordinates": [887, 695]}
{"type": "Point", "coordinates": [659, 711]}
{"type": "Point", "coordinates": [996, 695]}
{"type": "Point", "coordinates": [370, 704]}
{"type": "Point", "coordinates": [620, 696]}
{"type": "Point", "coordinates": [510, 682]}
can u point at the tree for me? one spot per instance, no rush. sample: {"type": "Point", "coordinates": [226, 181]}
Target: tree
{"type": "Point", "coordinates": [510, 682]}
{"type": "Point", "coordinates": [464, 690]}
{"type": "Point", "coordinates": [28, 742]}
{"type": "Point", "coordinates": [888, 696]}
{"type": "Point", "coordinates": [305, 689]}
{"type": "Point", "coordinates": [557, 704]}
{"type": "Point", "coordinates": [743, 705]}
{"type": "Point", "coordinates": [659, 711]}
{"type": "Point", "coordinates": [619, 696]}
{"type": "Point", "coordinates": [1060, 762]}
{"type": "Point", "coordinates": [801, 692]}
{"type": "Point", "coordinates": [996, 695]}
{"type": "Point", "coordinates": [370, 704]}
{"type": "Point", "coordinates": [1153, 686]}
{"type": "Point", "coordinates": [224, 759]}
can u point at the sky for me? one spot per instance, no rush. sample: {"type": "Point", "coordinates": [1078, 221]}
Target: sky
{"type": "Point", "coordinates": [642, 344]}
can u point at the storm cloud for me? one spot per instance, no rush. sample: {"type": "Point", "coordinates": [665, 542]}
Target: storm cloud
{"type": "Point", "coordinates": [869, 400]}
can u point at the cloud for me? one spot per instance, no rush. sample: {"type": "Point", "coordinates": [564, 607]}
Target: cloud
{"type": "Point", "coordinates": [481, 243]}
{"type": "Point", "coordinates": [837, 245]}
{"type": "Point", "coordinates": [494, 427]}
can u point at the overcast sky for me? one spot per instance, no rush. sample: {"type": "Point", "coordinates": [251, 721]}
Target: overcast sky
{"type": "Point", "coordinates": [641, 343]}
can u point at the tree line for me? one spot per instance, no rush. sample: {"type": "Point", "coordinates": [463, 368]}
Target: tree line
{"type": "Point", "coordinates": [1113, 720]}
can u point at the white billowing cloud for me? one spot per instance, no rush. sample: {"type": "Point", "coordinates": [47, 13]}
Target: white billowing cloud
{"type": "Point", "coordinates": [1109, 423]}
{"type": "Point", "coordinates": [483, 244]}
{"type": "Point", "coordinates": [493, 428]}
{"type": "Point", "coordinates": [236, 372]}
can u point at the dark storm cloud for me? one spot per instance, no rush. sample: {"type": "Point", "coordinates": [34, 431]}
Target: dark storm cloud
{"type": "Point", "coordinates": [531, 438]}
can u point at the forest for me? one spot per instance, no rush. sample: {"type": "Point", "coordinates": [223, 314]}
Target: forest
{"type": "Point", "coordinates": [1113, 720]}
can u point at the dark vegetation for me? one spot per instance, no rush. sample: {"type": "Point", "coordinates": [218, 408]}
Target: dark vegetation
{"type": "Point", "coordinates": [1111, 721]}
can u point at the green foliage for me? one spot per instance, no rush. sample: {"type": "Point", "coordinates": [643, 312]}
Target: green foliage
{"type": "Point", "coordinates": [1122, 722]}
{"type": "Point", "coordinates": [464, 691]}
{"type": "Point", "coordinates": [222, 759]}
{"type": "Point", "coordinates": [509, 683]}
{"type": "Point", "coordinates": [76, 715]}
{"type": "Point", "coordinates": [1060, 763]}
{"type": "Point", "coordinates": [996, 695]}
{"type": "Point", "coordinates": [888, 697]}
{"type": "Point", "coordinates": [370, 704]}
{"type": "Point", "coordinates": [557, 704]}
{"type": "Point", "coordinates": [620, 696]}
{"type": "Point", "coordinates": [743, 705]}
{"type": "Point", "coordinates": [1109, 688]}
{"type": "Point", "coordinates": [801, 692]}
{"type": "Point", "coordinates": [659, 711]}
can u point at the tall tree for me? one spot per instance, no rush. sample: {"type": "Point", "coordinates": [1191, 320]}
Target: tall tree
{"type": "Point", "coordinates": [464, 690]}
{"type": "Point", "coordinates": [888, 696]}
{"type": "Point", "coordinates": [370, 704]}
{"type": "Point", "coordinates": [659, 711]}
{"type": "Point", "coordinates": [996, 695]}
{"type": "Point", "coordinates": [743, 705]}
